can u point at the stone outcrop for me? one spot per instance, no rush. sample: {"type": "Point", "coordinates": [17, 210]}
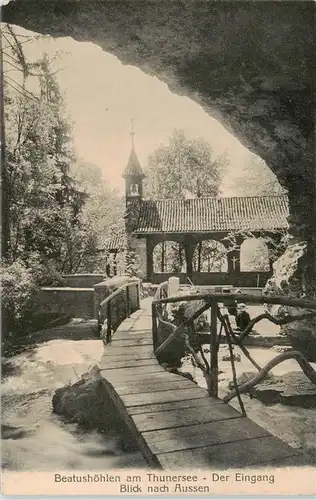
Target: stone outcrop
{"type": "Point", "coordinates": [292, 388]}
{"type": "Point", "coordinates": [86, 402]}
{"type": "Point", "coordinates": [288, 279]}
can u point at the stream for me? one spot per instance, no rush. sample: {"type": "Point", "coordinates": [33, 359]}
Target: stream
{"type": "Point", "coordinates": [33, 437]}
{"type": "Point", "coordinates": [295, 425]}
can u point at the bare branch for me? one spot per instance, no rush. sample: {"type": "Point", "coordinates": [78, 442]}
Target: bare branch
{"type": "Point", "coordinates": [277, 321]}
{"type": "Point", "coordinates": [237, 340]}
{"type": "Point", "coordinates": [203, 357]}
{"type": "Point", "coordinates": [17, 50]}
{"type": "Point", "coordinates": [232, 362]}
{"type": "Point", "coordinates": [298, 356]}
{"type": "Point", "coordinates": [199, 364]}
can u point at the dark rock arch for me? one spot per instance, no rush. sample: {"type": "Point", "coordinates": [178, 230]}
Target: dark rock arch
{"type": "Point", "coordinates": [249, 64]}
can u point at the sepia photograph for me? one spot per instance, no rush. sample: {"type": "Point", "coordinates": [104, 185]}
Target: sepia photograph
{"type": "Point", "coordinates": [158, 247]}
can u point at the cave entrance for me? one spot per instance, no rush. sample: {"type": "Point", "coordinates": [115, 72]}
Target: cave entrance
{"type": "Point", "coordinates": [254, 105]}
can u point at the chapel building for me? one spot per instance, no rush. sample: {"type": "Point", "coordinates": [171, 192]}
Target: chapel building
{"type": "Point", "coordinates": [200, 240]}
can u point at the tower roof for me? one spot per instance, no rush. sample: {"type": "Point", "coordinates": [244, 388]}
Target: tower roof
{"type": "Point", "coordinates": [133, 166]}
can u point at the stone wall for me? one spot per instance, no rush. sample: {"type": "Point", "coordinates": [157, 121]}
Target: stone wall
{"type": "Point", "coordinates": [83, 302]}
{"type": "Point", "coordinates": [139, 246]}
{"type": "Point", "coordinates": [82, 280]}
{"type": "Point", "coordinates": [75, 302]}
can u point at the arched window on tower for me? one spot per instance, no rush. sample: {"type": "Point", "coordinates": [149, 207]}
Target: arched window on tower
{"type": "Point", "coordinates": [134, 190]}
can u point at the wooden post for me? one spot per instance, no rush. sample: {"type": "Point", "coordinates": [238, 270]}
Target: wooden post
{"type": "Point", "coordinates": [109, 321]}
{"type": "Point", "coordinates": [214, 352]}
{"type": "Point", "coordinates": [115, 263]}
{"type": "Point", "coordinates": [154, 326]}
{"type": "Point", "coordinates": [128, 306]}
{"type": "Point", "coordinates": [138, 296]}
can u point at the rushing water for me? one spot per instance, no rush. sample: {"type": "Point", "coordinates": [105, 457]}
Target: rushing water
{"type": "Point", "coordinates": [293, 424]}
{"type": "Point", "coordinates": [33, 437]}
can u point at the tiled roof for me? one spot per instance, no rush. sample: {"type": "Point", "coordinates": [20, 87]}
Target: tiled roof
{"type": "Point", "coordinates": [133, 166]}
{"type": "Point", "coordinates": [116, 242]}
{"type": "Point", "coordinates": [213, 214]}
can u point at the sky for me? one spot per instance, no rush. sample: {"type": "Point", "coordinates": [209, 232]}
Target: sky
{"type": "Point", "coordinates": [102, 95]}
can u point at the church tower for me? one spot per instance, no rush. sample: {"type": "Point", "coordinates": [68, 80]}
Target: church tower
{"type": "Point", "coordinates": [133, 175]}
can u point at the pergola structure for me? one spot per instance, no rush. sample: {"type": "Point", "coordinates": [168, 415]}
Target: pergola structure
{"type": "Point", "coordinates": [200, 239]}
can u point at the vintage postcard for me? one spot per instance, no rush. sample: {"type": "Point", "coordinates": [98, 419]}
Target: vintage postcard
{"type": "Point", "coordinates": [158, 260]}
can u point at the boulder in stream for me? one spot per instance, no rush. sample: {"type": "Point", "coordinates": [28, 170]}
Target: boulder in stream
{"type": "Point", "coordinates": [86, 402]}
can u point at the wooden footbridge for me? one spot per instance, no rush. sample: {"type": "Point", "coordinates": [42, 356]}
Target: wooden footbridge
{"type": "Point", "coordinates": [176, 423]}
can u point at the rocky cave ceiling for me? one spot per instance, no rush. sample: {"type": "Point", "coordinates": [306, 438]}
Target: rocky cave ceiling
{"type": "Point", "coordinates": [249, 64]}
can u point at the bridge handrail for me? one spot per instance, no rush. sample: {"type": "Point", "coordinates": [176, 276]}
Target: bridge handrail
{"type": "Point", "coordinates": [107, 303]}
{"type": "Point", "coordinates": [211, 300]}
{"type": "Point", "coordinates": [117, 292]}
{"type": "Point", "coordinates": [156, 312]}
{"type": "Point", "coordinates": [219, 297]}
{"type": "Point", "coordinates": [160, 288]}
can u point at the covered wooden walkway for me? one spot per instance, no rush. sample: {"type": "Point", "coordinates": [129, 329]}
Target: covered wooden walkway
{"type": "Point", "coordinates": [175, 422]}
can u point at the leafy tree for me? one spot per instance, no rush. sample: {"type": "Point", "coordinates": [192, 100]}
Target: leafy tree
{"type": "Point", "coordinates": [18, 289]}
{"type": "Point", "coordinates": [210, 256]}
{"type": "Point", "coordinates": [184, 168]}
{"type": "Point", "coordinates": [44, 203]}
{"type": "Point", "coordinates": [102, 216]}
{"type": "Point", "coordinates": [255, 179]}
{"type": "Point", "coordinates": [168, 257]}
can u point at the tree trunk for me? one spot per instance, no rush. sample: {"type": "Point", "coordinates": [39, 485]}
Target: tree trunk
{"type": "Point", "coordinates": [5, 227]}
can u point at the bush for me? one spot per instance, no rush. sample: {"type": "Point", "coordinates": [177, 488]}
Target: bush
{"type": "Point", "coordinates": [18, 290]}
{"type": "Point", "coordinates": [44, 273]}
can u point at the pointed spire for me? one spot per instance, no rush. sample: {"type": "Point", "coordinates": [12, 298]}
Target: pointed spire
{"type": "Point", "coordinates": [132, 132]}
{"type": "Point", "coordinates": [133, 166]}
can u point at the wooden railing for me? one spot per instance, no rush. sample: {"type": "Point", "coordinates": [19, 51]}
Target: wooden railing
{"type": "Point", "coordinates": [111, 313]}
{"type": "Point", "coordinates": [211, 301]}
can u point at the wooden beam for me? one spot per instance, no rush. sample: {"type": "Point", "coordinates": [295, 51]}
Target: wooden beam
{"type": "Point", "coordinates": [214, 352]}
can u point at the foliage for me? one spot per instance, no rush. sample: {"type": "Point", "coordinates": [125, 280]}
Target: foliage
{"type": "Point", "coordinates": [131, 260]}
{"type": "Point", "coordinates": [44, 204]}
{"type": "Point", "coordinates": [210, 256]}
{"type": "Point", "coordinates": [18, 289]}
{"type": "Point", "coordinates": [131, 264]}
{"type": "Point", "coordinates": [102, 215]}
{"type": "Point", "coordinates": [183, 168]}
{"type": "Point", "coordinates": [254, 179]}
{"type": "Point", "coordinates": [168, 257]}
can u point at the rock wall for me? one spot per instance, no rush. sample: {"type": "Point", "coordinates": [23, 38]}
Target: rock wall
{"type": "Point", "coordinates": [288, 280]}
